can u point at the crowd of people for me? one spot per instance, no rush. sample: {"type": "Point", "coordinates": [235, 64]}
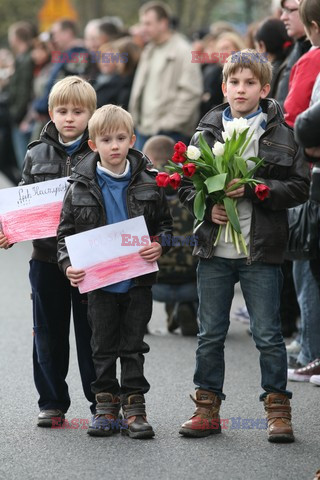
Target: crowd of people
{"type": "Point", "coordinates": [152, 88]}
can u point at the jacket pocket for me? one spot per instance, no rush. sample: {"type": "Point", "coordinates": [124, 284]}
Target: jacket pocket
{"type": "Point", "coordinates": [144, 202]}
{"type": "Point", "coordinates": [278, 159]}
{"type": "Point", "coordinates": [45, 171]}
{"type": "Point", "coordinates": [86, 211]}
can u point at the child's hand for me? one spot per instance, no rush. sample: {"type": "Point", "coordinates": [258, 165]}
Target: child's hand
{"type": "Point", "coordinates": [239, 192]}
{"type": "Point", "coordinates": [219, 214]}
{"type": "Point", "coordinates": [151, 252]}
{"type": "Point", "coordinates": [75, 276]}
{"type": "Point", "coordinates": [4, 241]}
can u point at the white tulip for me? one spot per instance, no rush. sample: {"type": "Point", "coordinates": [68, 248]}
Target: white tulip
{"type": "Point", "coordinates": [218, 149]}
{"type": "Point", "coordinates": [193, 152]}
{"type": "Point", "coordinates": [237, 125]}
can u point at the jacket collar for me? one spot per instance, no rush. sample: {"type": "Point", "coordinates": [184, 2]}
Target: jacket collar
{"type": "Point", "coordinates": [49, 135]}
{"type": "Point", "coordinates": [213, 119]}
{"type": "Point", "coordinates": [87, 167]}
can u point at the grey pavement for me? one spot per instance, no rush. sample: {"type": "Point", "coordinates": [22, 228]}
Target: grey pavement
{"type": "Point", "coordinates": [29, 452]}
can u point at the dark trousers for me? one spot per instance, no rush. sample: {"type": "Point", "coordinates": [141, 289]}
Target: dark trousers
{"type": "Point", "coordinates": [119, 322]}
{"type": "Point", "coordinates": [52, 298]}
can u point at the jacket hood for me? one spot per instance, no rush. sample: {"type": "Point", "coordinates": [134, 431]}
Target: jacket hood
{"type": "Point", "coordinates": [87, 167]}
{"type": "Point", "coordinates": [212, 120]}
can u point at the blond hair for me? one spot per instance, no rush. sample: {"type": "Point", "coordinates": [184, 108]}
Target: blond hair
{"type": "Point", "coordinates": [73, 90]}
{"type": "Point", "coordinates": [109, 119]}
{"type": "Point", "coordinates": [248, 58]}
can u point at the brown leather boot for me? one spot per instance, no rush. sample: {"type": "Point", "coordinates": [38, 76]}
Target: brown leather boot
{"type": "Point", "coordinates": [106, 420]}
{"type": "Point", "coordinates": [135, 424]}
{"type": "Point", "coordinates": [205, 420]}
{"type": "Point", "coordinates": [278, 411]}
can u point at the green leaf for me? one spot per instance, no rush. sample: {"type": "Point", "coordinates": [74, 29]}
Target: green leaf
{"type": "Point", "coordinates": [230, 206]}
{"type": "Point", "coordinates": [216, 183]}
{"type": "Point", "coordinates": [241, 164]}
{"type": "Point", "coordinates": [205, 149]}
{"type": "Point", "coordinates": [220, 164]}
{"type": "Point", "coordinates": [199, 205]}
{"type": "Point", "coordinates": [197, 181]}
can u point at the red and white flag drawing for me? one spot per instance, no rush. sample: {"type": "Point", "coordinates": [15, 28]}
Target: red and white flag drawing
{"type": "Point", "coordinates": [32, 211]}
{"type": "Point", "coordinates": [106, 257]}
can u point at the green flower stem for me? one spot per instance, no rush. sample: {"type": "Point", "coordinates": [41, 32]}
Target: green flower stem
{"type": "Point", "coordinates": [218, 236]}
{"type": "Point", "coordinates": [236, 237]}
{"type": "Point", "coordinates": [243, 244]}
{"type": "Point", "coordinates": [226, 232]}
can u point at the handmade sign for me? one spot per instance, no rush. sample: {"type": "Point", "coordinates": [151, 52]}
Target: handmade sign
{"type": "Point", "coordinates": [109, 254]}
{"type": "Point", "coordinates": [32, 211]}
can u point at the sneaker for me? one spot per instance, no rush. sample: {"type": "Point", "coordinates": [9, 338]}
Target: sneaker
{"type": "Point", "coordinates": [242, 315]}
{"type": "Point", "coordinates": [50, 418]}
{"type": "Point", "coordinates": [294, 347]}
{"type": "Point", "coordinates": [315, 379]}
{"type": "Point", "coordinates": [304, 374]}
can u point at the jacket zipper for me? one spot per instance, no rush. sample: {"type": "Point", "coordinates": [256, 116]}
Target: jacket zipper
{"type": "Point", "coordinates": [279, 145]}
{"type": "Point", "coordinates": [249, 258]}
{"type": "Point", "coordinates": [68, 166]}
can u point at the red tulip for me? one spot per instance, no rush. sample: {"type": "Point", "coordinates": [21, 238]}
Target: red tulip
{"type": "Point", "coordinates": [189, 169]}
{"type": "Point", "coordinates": [175, 180]}
{"type": "Point", "coordinates": [163, 179]}
{"type": "Point", "coordinates": [180, 147]}
{"type": "Point", "coordinates": [262, 191]}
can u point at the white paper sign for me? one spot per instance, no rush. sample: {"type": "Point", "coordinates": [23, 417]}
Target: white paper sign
{"type": "Point", "coordinates": [32, 211]}
{"type": "Point", "coordinates": [109, 254]}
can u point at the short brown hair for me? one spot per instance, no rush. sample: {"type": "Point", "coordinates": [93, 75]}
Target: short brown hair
{"type": "Point", "coordinates": [108, 119]}
{"type": "Point", "coordinates": [248, 58]}
{"type": "Point", "coordinates": [160, 149]}
{"type": "Point", "coordinates": [161, 9]}
{"type": "Point", "coordinates": [309, 11]}
{"type": "Point", "coordinates": [73, 90]}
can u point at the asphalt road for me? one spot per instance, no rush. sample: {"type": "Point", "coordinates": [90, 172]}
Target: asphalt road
{"type": "Point", "coordinates": [29, 452]}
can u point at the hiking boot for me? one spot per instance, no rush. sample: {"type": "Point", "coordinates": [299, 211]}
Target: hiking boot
{"type": "Point", "coordinates": [106, 421]}
{"type": "Point", "coordinates": [278, 411]}
{"type": "Point", "coordinates": [50, 418]}
{"type": "Point", "coordinates": [135, 424]}
{"type": "Point", "coordinates": [205, 420]}
{"type": "Point", "coordinates": [186, 317]}
{"type": "Point", "coordinates": [303, 374]}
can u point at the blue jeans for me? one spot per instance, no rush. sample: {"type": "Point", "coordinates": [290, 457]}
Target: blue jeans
{"type": "Point", "coordinates": [52, 298]}
{"type": "Point", "coordinates": [261, 286]}
{"type": "Point", "coordinates": [309, 301]}
{"type": "Point", "coordinates": [176, 294]}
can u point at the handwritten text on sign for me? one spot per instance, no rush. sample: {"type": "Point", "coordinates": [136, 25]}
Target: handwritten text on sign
{"type": "Point", "coordinates": [32, 211]}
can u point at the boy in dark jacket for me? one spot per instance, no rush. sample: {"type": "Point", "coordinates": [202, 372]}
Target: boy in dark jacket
{"type": "Point", "coordinates": [112, 185]}
{"type": "Point", "coordinates": [63, 143]}
{"type": "Point", "coordinates": [246, 84]}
